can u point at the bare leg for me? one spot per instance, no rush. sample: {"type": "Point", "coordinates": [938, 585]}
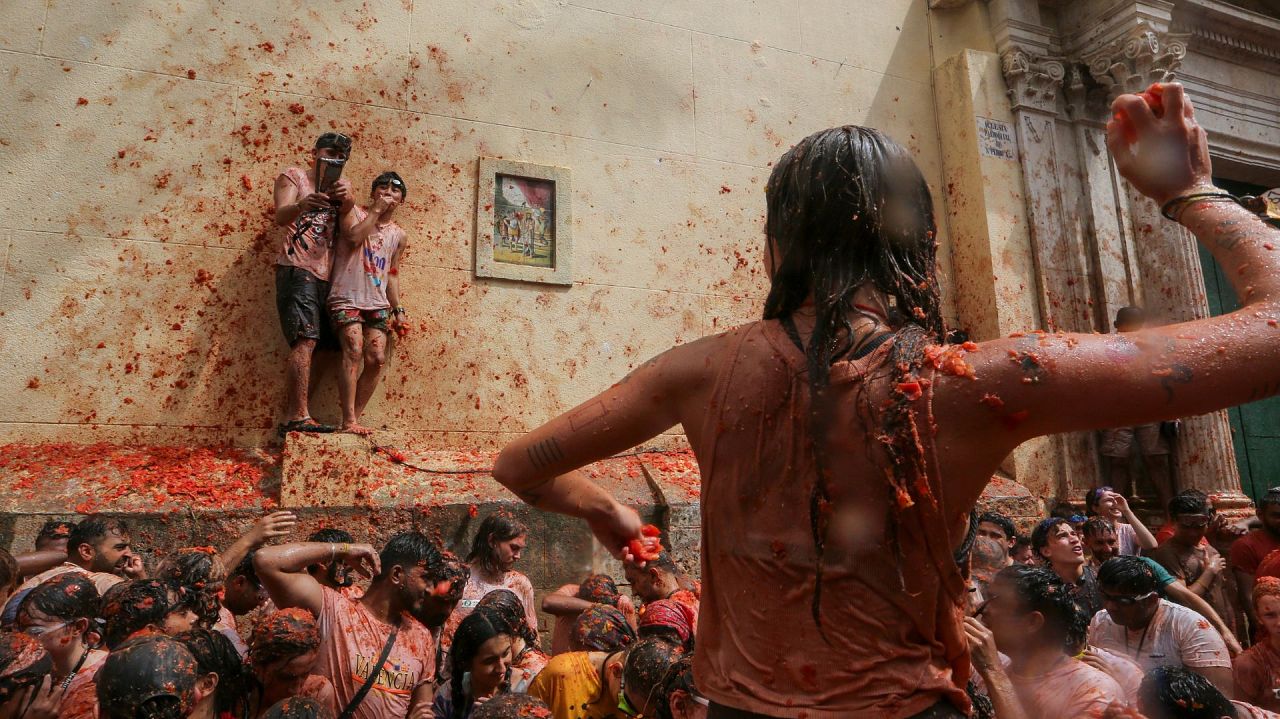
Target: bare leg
{"type": "Point", "coordinates": [1158, 472]}
{"type": "Point", "coordinates": [375, 358]}
{"type": "Point", "coordinates": [352, 340]}
{"type": "Point", "coordinates": [297, 377]}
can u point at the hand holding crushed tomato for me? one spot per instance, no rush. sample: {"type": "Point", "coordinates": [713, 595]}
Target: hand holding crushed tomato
{"type": "Point", "coordinates": [614, 526]}
{"type": "Point", "coordinates": [646, 548]}
{"type": "Point", "coordinates": [1157, 144]}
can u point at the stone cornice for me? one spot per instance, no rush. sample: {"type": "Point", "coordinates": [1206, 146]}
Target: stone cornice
{"type": "Point", "coordinates": [1221, 30]}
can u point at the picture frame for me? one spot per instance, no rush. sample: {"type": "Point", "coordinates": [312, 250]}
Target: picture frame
{"type": "Point", "coordinates": [523, 221]}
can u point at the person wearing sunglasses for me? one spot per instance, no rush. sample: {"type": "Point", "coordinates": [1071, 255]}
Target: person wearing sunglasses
{"type": "Point", "coordinates": [1036, 622]}
{"type": "Point", "coordinates": [310, 218]}
{"type": "Point", "coordinates": [614, 685]}
{"type": "Point", "coordinates": [364, 301]}
{"type": "Point", "coordinates": [1151, 631]}
{"type": "Point", "coordinates": [1196, 563]}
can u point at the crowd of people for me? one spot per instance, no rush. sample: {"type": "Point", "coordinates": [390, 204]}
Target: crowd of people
{"type": "Point", "coordinates": [1101, 614]}
{"type": "Point", "coordinates": [332, 627]}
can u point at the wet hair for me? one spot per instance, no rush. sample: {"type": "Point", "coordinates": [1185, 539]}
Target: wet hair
{"type": "Point", "coordinates": [476, 628]}
{"type": "Point", "coordinates": [282, 635]}
{"type": "Point", "coordinates": [23, 662]}
{"type": "Point", "coordinates": [298, 708]}
{"type": "Point", "coordinates": [1129, 315]}
{"type": "Point", "coordinates": [197, 574]}
{"type": "Point", "coordinates": [499, 526]}
{"type": "Point", "coordinates": [54, 530]}
{"type": "Point", "coordinates": [66, 597]}
{"type": "Point", "coordinates": [512, 706]}
{"type": "Point", "coordinates": [1004, 523]}
{"type": "Point", "coordinates": [1019, 543]}
{"type": "Point", "coordinates": [1092, 497]}
{"type": "Point", "coordinates": [678, 678]}
{"type": "Point", "coordinates": [335, 140]}
{"type": "Point", "coordinates": [10, 574]}
{"type": "Point", "coordinates": [450, 568]}
{"type": "Point", "coordinates": [1271, 498]}
{"type": "Point", "coordinates": [508, 606]}
{"type": "Point", "coordinates": [133, 605]}
{"type": "Point", "coordinates": [664, 562]}
{"type": "Point", "coordinates": [982, 706]}
{"type": "Point", "coordinates": [646, 664]}
{"type": "Point", "coordinates": [215, 654]}
{"type": "Point", "coordinates": [847, 207]}
{"type": "Point", "coordinates": [599, 589]}
{"type": "Point", "coordinates": [390, 177]}
{"type": "Point", "coordinates": [1178, 693]}
{"type": "Point", "coordinates": [245, 569]}
{"type": "Point", "coordinates": [1039, 589]}
{"type": "Point", "coordinates": [1097, 527]}
{"type": "Point", "coordinates": [1190, 501]}
{"type": "Point", "coordinates": [332, 535]}
{"type": "Point", "coordinates": [151, 677]}
{"type": "Point", "coordinates": [1265, 587]}
{"type": "Point", "coordinates": [1131, 575]}
{"type": "Point", "coordinates": [1040, 535]}
{"type": "Point", "coordinates": [92, 530]}
{"type": "Point", "coordinates": [407, 550]}
{"type": "Point", "coordinates": [602, 628]}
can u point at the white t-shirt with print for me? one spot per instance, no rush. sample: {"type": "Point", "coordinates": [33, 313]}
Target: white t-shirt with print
{"type": "Point", "coordinates": [1176, 636]}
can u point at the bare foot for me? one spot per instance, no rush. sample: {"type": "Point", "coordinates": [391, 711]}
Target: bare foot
{"type": "Point", "coordinates": [355, 428]}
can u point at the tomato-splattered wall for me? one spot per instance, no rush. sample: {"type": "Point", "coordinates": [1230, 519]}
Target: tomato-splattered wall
{"type": "Point", "coordinates": [139, 141]}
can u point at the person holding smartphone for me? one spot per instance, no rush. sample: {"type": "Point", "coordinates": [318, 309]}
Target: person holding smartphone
{"type": "Point", "coordinates": [310, 218]}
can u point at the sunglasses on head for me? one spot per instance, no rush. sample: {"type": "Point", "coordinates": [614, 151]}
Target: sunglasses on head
{"type": "Point", "coordinates": [1126, 601]}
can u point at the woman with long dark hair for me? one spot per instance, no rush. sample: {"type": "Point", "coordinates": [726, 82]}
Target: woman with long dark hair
{"type": "Point", "coordinates": [527, 660]}
{"type": "Point", "coordinates": [819, 429]}
{"type": "Point", "coordinates": [479, 664]}
{"type": "Point", "coordinates": [218, 666]}
{"type": "Point", "coordinates": [495, 550]}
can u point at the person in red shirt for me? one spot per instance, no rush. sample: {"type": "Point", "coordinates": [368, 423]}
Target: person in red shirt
{"type": "Point", "coordinates": [1249, 551]}
{"type": "Point", "coordinates": [1257, 671]}
{"type": "Point", "coordinates": [842, 445]}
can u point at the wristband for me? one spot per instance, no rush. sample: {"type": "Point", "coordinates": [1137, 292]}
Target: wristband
{"type": "Point", "coordinates": [1173, 209]}
{"type": "Point", "coordinates": [400, 311]}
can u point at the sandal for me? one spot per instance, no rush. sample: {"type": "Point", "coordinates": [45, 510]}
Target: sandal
{"type": "Point", "coordinates": [306, 424]}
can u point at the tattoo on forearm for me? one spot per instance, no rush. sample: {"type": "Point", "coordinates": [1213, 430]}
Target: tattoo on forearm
{"type": "Point", "coordinates": [588, 415]}
{"type": "Point", "coordinates": [1174, 373]}
{"type": "Point", "coordinates": [545, 453]}
{"type": "Point", "coordinates": [1229, 234]}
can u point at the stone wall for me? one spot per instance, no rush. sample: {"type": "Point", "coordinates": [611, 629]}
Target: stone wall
{"type": "Point", "coordinates": [139, 142]}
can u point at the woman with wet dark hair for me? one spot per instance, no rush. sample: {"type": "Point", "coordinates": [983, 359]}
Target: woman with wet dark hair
{"type": "Point", "coordinates": [479, 660]}
{"type": "Point", "coordinates": [527, 660]}
{"type": "Point", "coordinates": [218, 665]}
{"type": "Point", "coordinates": [61, 614]}
{"type": "Point", "coordinates": [282, 654]}
{"type": "Point", "coordinates": [837, 407]}
{"type": "Point", "coordinates": [143, 606]}
{"type": "Point", "coordinates": [495, 550]}
{"type": "Point", "coordinates": [198, 574]}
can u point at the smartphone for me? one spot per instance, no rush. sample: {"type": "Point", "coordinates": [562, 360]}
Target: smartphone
{"type": "Point", "coordinates": [330, 172]}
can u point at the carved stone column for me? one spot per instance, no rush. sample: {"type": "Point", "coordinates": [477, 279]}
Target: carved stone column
{"type": "Point", "coordinates": [1062, 270]}
{"type": "Point", "coordinates": [1171, 282]}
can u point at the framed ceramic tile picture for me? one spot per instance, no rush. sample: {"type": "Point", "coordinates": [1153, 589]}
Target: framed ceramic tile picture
{"type": "Point", "coordinates": [522, 222]}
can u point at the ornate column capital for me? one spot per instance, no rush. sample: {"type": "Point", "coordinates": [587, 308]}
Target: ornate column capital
{"type": "Point", "coordinates": [1034, 80]}
{"type": "Point", "coordinates": [1131, 63]}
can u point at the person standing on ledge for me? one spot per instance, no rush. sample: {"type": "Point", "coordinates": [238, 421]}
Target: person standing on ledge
{"type": "Point", "coordinates": [364, 302]}
{"type": "Point", "coordinates": [302, 269]}
{"type": "Point", "coordinates": [829, 412]}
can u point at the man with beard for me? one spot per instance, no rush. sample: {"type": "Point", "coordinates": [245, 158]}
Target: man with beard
{"type": "Point", "coordinates": [98, 548]}
{"type": "Point", "coordinates": [381, 635]}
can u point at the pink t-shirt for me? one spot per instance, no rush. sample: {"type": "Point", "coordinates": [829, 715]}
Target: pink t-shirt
{"type": "Point", "coordinates": [476, 589]}
{"type": "Point", "coordinates": [102, 580]}
{"type": "Point", "coordinates": [1249, 711]}
{"type": "Point", "coordinates": [360, 271]}
{"type": "Point", "coordinates": [351, 639]}
{"type": "Point", "coordinates": [308, 240]}
{"type": "Point", "coordinates": [1070, 690]}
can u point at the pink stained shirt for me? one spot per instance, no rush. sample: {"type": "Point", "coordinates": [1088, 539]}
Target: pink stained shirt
{"type": "Point", "coordinates": [1069, 690]}
{"type": "Point", "coordinates": [308, 240]}
{"type": "Point", "coordinates": [361, 271]}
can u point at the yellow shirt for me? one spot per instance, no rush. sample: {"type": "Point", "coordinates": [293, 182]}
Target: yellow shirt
{"type": "Point", "coordinates": [570, 685]}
